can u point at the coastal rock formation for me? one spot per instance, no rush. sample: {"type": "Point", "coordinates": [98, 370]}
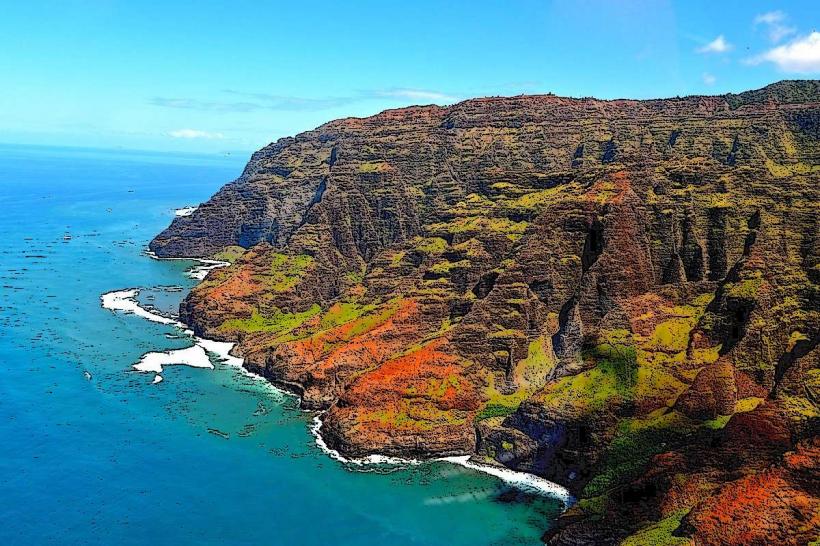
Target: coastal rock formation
{"type": "Point", "coordinates": [620, 296]}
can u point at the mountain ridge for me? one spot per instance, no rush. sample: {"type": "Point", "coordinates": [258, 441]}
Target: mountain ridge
{"type": "Point", "coordinates": [602, 293]}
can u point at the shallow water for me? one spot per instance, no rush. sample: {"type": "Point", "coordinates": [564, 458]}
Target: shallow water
{"type": "Point", "coordinates": [92, 452]}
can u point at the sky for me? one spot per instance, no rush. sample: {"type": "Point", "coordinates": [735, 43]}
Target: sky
{"type": "Point", "coordinates": [215, 77]}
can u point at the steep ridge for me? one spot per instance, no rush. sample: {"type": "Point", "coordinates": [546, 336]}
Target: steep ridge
{"type": "Point", "coordinates": [620, 296]}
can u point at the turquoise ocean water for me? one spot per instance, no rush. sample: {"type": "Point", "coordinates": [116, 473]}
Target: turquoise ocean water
{"type": "Point", "coordinates": [93, 453]}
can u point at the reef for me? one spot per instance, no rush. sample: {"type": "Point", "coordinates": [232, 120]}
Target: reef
{"type": "Point", "coordinates": [619, 296]}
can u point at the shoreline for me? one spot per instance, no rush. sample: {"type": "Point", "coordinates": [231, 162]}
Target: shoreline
{"type": "Point", "coordinates": [124, 301]}
{"type": "Point", "coordinates": [198, 272]}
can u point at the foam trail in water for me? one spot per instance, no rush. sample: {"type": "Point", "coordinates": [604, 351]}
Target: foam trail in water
{"type": "Point", "coordinates": [126, 301]}
{"type": "Point", "coordinates": [521, 480]}
{"type": "Point", "coordinates": [197, 272]}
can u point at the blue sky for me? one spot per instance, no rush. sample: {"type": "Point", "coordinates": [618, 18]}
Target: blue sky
{"type": "Point", "coordinates": [206, 76]}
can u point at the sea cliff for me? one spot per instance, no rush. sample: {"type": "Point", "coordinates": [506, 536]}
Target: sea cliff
{"type": "Point", "coordinates": [620, 296]}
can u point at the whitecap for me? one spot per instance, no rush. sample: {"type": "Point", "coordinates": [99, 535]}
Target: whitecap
{"type": "Point", "coordinates": [194, 356]}
{"type": "Point", "coordinates": [185, 211]}
{"type": "Point", "coordinates": [197, 272]}
{"type": "Point", "coordinates": [222, 351]}
{"type": "Point", "coordinates": [526, 482]}
{"type": "Point", "coordinates": [374, 459]}
{"type": "Point", "coordinates": [126, 301]}
{"type": "Point", "coordinates": [200, 271]}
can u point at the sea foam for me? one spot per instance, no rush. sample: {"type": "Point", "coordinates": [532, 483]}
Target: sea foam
{"type": "Point", "coordinates": [199, 271]}
{"type": "Point", "coordinates": [198, 356]}
{"type": "Point", "coordinates": [194, 356]}
{"type": "Point", "coordinates": [126, 302]}
{"type": "Point", "coordinates": [200, 353]}
{"type": "Point", "coordinates": [185, 211]}
{"type": "Point", "coordinates": [521, 480]}
{"type": "Point", "coordinates": [369, 460]}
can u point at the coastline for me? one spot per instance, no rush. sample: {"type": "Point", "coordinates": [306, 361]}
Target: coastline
{"type": "Point", "coordinates": [198, 272]}
{"type": "Point", "coordinates": [124, 301]}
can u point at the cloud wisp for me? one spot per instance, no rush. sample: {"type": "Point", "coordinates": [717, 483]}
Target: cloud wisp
{"type": "Point", "coordinates": [412, 94]}
{"type": "Point", "coordinates": [266, 101]}
{"type": "Point", "coordinates": [801, 55]}
{"type": "Point", "coordinates": [708, 79]}
{"type": "Point", "coordinates": [245, 102]}
{"type": "Point", "coordinates": [718, 45]}
{"type": "Point", "coordinates": [195, 133]}
{"type": "Point", "coordinates": [776, 26]}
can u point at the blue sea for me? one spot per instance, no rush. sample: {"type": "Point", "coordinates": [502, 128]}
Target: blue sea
{"type": "Point", "coordinates": [92, 452]}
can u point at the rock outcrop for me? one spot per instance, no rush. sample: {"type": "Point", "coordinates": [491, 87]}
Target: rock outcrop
{"type": "Point", "coordinates": [621, 296]}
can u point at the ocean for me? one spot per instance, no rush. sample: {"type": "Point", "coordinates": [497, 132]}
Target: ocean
{"type": "Point", "coordinates": [92, 451]}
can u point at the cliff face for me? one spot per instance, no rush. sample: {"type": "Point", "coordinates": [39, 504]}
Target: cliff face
{"type": "Point", "coordinates": [621, 296]}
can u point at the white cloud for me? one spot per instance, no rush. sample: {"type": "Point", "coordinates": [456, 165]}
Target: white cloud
{"type": "Point", "coordinates": [775, 21]}
{"type": "Point", "coordinates": [417, 94]}
{"type": "Point", "coordinates": [770, 18]}
{"type": "Point", "coordinates": [718, 45]}
{"type": "Point", "coordinates": [248, 102]}
{"type": "Point", "coordinates": [709, 79]}
{"type": "Point", "coordinates": [801, 55]}
{"type": "Point", "coordinates": [194, 133]}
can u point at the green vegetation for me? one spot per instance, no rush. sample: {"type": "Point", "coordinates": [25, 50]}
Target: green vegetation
{"type": "Point", "coordinates": [531, 372]}
{"type": "Point", "coordinates": [482, 224]}
{"type": "Point", "coordinates": [535, 201]}
{"type": "Point", "coordinates": [342, 313]}
{"type": "Point", "coordinates": [582, 393]}
{"type": "Point", "coordinates": [436, 388]}
{"type": "Point", "coordinates": [501, 405]}
{"type": "Point", "coordinates": [745, 289]}
{"type": "Point", "coordinates": [354, 277]}
{"type": "Point", "coordinates": [430, 245]}
{"type": "Point", "coordinates": [286, 271]}
{"type": "Point", "coordinates": [594, 507]}
{"type": "Point", "coordinates": [495, 410]}
{"type": "Point", "coordinates": [397, 257]}
{"type": "Point", "coordinates": [275, 321]}
{"type": "Point", "coordinates": [370, 317]}
{"type": "Point", "coordinates": [374, 167]}
{"type": "Point", "coordinates": [636, 442]}
{"type": "Point", "coordinates": [416, 413]}
{"type": "Point", "coordinates": [660, 533]}
{"type": "Point", "coordinates": [618, 357]}
{"type": "Point", "coordinates": [613, 378]}
{"type": "Point", "coordinates": [779, 170]}
{"type": "Point", "coordinates": [443, 268]}
{"type": "Point", "coordinates": [673, 334]}
{"type": "Point", "coordinates": [717, 423]}
{"type": "Point", "coordinates": [229, 254]}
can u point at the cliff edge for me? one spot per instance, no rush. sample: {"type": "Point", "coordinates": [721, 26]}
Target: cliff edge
{"type": "Point", "coordinates": [620, 296]}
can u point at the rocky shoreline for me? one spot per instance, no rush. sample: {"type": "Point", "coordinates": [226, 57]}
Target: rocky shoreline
{"type": "Point", "coordinates": [618, 296]}
{"type": "Point", "coordinates": [125, 301]}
